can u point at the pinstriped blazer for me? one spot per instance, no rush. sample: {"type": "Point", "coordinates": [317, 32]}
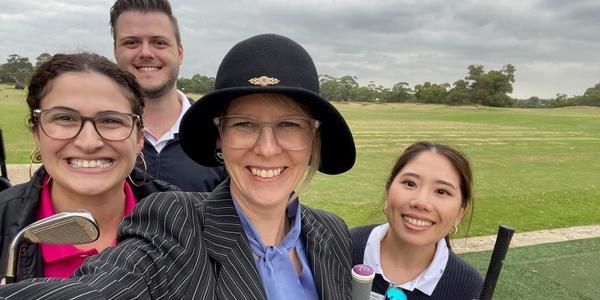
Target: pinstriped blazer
{"type": "Point", "coordinates": [180, 245]}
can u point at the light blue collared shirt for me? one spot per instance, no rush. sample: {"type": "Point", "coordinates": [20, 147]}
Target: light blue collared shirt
{"type": "Point", "coordinates": [277, 272]}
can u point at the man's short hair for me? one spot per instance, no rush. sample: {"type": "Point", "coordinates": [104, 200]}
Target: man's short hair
{"type": "Point", "coordinates": [122, 6]}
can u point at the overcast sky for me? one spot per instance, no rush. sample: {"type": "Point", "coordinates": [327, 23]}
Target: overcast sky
{"type": "Point", "coordinates": [554, 44]}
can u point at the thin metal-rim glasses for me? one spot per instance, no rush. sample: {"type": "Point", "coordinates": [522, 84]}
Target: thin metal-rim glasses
{"type": "Point", "coordinates": [243, 132]}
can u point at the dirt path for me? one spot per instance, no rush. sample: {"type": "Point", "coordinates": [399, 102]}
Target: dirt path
{"type": "Point", "coordinates": [483, 243]}
{"type": "Point", "coordinates": [20, 173]}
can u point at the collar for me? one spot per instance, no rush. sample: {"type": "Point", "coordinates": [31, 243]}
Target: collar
{"type": "Point", "coordinates": [279, 277]}
{"type": "Point", "coordinates": [227, 245]}
{"type": "Point", "coordinates": [290, 238]}
{"type": "Point", "coordinates": [130, 200]}
{"type": "Point", "coordinates": [424, 282]}
{"type": "Point", "coordinates": [169, 135]}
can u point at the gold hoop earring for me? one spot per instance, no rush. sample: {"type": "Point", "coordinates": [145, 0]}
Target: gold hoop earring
{"type": "Point", "coordinates": [454, 229]}
{"type": "Point", "coordinates": [36, 158]}
{"type": "Point", "coordinates": [140, 155]}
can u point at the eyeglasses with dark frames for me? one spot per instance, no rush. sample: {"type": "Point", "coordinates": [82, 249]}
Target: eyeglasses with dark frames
{"type": "Point", "coordinates": [64, 124]}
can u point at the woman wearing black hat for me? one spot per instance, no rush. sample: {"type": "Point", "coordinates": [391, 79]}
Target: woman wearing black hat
{"type": "Point", "coordinates": [249, 238]}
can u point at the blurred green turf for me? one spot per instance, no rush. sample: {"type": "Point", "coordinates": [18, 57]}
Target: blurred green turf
{"type": "Point", "coordinates": [565, 270]}
{"type": "Point", "coordinates": [13, 122]}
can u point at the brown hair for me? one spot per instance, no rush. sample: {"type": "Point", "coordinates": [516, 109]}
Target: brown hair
{"type": "Point", "coordinates": [122, 6]}
{"type": "Point", "coordinates": [457, 159]}
{"type": "Point", "coordinates": [42, 78]}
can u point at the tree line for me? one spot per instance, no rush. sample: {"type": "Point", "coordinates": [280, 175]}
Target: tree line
{"type": "Point", "coordinates": [18, 69]}
{"type": "Point", "coordinates": [491, 88]}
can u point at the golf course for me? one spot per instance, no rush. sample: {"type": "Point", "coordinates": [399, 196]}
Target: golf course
{"type": "Point", "coordinates": [534, 169]}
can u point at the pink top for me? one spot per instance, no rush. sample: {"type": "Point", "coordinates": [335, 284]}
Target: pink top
{"type": "Point", "coordinates": [61, 261]}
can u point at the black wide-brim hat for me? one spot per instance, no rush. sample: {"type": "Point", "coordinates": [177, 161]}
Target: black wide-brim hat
{"type": "Point", "coordinates": [267, 63]}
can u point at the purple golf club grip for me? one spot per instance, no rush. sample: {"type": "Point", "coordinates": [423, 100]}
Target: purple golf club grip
{"type": "Point", "coordinates": [362, 279]}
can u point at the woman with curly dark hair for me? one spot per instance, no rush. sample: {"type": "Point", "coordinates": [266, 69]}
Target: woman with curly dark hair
{"type": "Point", "coordinates": [85, 115]}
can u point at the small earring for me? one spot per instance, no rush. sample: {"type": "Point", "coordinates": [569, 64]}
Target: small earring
{"type": "Point", "coordinates": [219, 156]}
{"type": "Point", "coordinates": [454, 229]}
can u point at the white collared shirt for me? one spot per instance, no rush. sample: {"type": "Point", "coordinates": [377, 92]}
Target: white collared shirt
{"type": "Point", "coordinates": [161, 142]}
{"type": "Point", "coordinates": [426, 281]}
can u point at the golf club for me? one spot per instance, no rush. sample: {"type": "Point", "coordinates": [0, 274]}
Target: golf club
{"type": "Point", "coordinates": [4, 182]}
{"type": "Point", "coordinates": [77, 227]}
{"type": "Point", "coordinates": [503, 238]}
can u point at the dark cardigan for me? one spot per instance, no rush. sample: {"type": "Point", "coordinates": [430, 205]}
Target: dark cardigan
{"type": "Point", "coordinates": [459, 281]}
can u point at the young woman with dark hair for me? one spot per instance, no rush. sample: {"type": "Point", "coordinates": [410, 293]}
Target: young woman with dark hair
{"type": "Point", "coordinates": [85, 165]}
{"type": "Point", "coordinates": [427, 194]}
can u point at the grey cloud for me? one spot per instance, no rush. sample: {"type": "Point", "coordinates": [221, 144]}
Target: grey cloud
{"type": "Point", "coordinates": [381, 41]}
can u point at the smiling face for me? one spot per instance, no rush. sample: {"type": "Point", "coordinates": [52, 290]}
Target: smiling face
{"type": "Point", "coordinates": [424, 200]}
{"type": "Point", "coordinates": [146, 46]}
{"type": "Point", "coordinates": [264, 175]}
{"type": "Point", "coordinates": [87, 164]}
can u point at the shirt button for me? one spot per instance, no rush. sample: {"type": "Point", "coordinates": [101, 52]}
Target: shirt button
{"type": "Point", "coordinates": [83, 255]}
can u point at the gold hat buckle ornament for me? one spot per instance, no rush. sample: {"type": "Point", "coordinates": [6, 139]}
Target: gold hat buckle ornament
{"type": "Point", "coordinates": [263, 81]}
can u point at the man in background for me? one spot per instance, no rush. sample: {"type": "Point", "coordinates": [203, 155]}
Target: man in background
{"type": "Point", "coordinates": [147, 43]}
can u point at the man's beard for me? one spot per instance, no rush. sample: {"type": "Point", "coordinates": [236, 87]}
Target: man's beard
{"type": "Point", "coordinates": [163, 89]}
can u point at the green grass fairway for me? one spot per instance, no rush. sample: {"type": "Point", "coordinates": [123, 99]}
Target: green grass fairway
{"type": "Point", "coordinates": [566, 270]}
{"type": "Point", "coordinates": [13, 122]}
{"type": "Point", "coordinates": [534, 168]}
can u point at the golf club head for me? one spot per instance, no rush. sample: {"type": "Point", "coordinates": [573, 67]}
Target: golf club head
{"type": "Point", "coordinates": [77, 227]}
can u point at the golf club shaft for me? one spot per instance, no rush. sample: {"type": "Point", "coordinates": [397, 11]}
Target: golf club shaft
{"type": "Point", "coordinates": [9, 279]}
{"type": "Point", "coordinates": [503, 238]}
{"type": "Point", "coordinates": [12, 261]}
{"type": "Point", "coordinates": [3, 171]}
